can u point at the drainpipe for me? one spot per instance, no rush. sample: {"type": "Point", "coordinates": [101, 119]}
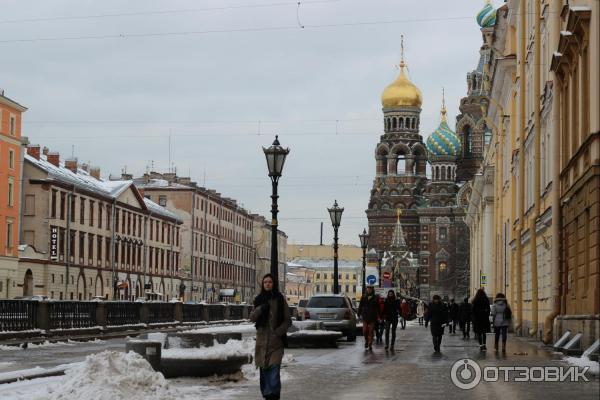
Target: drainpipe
{"type": "Point", "coordinates": [536, 178]}
{"type": "Point", "coordinates": [68, 252]}
{"type": "Point", "coordinates": [145, 259]}
{"type": "Point", "coordinates": [192, 244]}
{"type": "Point", "coordinates": [556, 211]}
{"type": "Point", "coordinates": [205, 273]}
{"type": "Point", "coordinates": [521, 187]}
{"type": "Point", "coordinates": [113, 245]}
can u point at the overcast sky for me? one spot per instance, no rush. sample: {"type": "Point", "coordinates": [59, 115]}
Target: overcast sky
{"type": "Point", "coordinates": [223, 77]}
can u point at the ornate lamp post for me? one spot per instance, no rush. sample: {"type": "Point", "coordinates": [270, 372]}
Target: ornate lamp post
{"type": "Point", "coordinates": [335, 213]}
{"type": "Point", "coordinates": [364, 243]}
{"type": "Point", "coordinates": [379, 259]}
{"type": "Point", "coordinates": [275, 159]}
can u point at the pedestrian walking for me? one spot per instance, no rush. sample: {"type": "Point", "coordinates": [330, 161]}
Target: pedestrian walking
{"type": "Point", "coordinates": [420, 312]}
{"type": "Point", "coordinates": [380, 325]}
{"type": "Point", "coordinates": [464, 316]}
{"type": "Point", "coordinates": [481, 317]}
{"type": "Point", "coordinates": [404, 312]}
{"type": "Point", "coordinates": [271, 316]}
{"type": "Point", "coordinates": [391, 310]}
{"type": "Point", "coordinates": [425, 314]}
{"type": "Point", "coordinates": [368, 309]}
{"type": "Point", "coordinates": [453, 308]}
{"type": "Point", "coordinates": [438, 316]}
{"type": "Point", "coordinates": [501, 317]}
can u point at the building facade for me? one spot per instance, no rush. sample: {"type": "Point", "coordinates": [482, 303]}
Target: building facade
{"type": "Point", "coordinates": [218, 253]}
{"type": "Point", "coordinates": [535, 199]}
{"type": "Point", "coordinates": [262, 243]}
{"type": "Point", "coordinates": [83, 236]}
{"type": "Point", "coordinates": [10, 192]}
{"type": "Point", "coordinates": [299, 283]}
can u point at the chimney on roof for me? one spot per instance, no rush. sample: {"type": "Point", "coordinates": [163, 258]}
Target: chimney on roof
{"type": "Point", "coordinates": [126, 177]}
{"type": "Point", "coordinates": [184, 180]}
{"type": "Point", "coordinates": [95, 172]}
{"type": "Point", "coordinates": [45, 150]}
{"type": "Point", "coordinates": [53, 158]}
{"type": "Point", "coordinates": [34, 151]}
{"type": "Point", "coordinates": [85, 167]}
{"type": "Point", "coordinates": [170, 177]}
{"type": "Point", "coordinates": [71, 164]}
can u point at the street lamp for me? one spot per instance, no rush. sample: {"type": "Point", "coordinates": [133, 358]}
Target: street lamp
{"type": "Point", "coordinates": [275, 156]}
{"type": "Point", "coordinates": [364, 243]}
{"type": "Point", "coordinates": [379, 259]}
{"type": "Point", "coordinates": [335, 213]}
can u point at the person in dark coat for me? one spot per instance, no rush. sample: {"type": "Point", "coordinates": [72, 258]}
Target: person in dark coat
{"type": "Point", "coordinates": [380, 324]}
{"type": "Point", "coordinates": [501, 317]}
{"type": "Point", "coordinates": [464, 316]}
{"type": "Point", "coordinates": [453, 311]}
{"type": "Point", "coordinates": [368, 309]}
{"type": "Point", "coordinates": [437, 315]}
{"type": "Point", "coordinates": [271, 316]}
{"type": "Point", "coordinates": [391, 308]}
{"type": "Point", "coordinates": [481, 317]}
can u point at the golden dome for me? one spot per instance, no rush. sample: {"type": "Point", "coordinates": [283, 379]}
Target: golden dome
{"type": "Point", "coordinates": [402, 92]}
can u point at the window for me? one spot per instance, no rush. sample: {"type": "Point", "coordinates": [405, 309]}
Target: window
{"type": "Point", "coordinates": [11, 188]}
{"type": "Point", "coordinates": [29, 205]}
{"type": "Point", "coordinates": [11, 159]}
{"type": "Point", "coordinates": [13, 125]}
{"type": "Point", "coordinates": [443, 233]}
{"type": "Point", "coordinates": [82, 211]}
{"type": "Point", "coordinates": [325, 277]}
{"type": "Point", "coordinates": [72, 210]}
{"type": "Point", "coordinates": [53, 205]}
{"type": "Point", "coordinates": [100, 215]}
{"type": "Point", "coordinates": [91, 213]}
{"type": "Point", "coordinates": [9, 235]}
{"type": "Point", "coordinates": [162, 200]}
{"type": "Point", "coordinates": [443, 266]}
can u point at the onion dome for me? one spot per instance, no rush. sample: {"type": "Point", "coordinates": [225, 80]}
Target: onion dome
{"type": "Point", "coordinates": [402, 92]}
{"type": "Point", "coordinates": [443, 142]}
{"type": "Point", "coordinates": [487, 16]}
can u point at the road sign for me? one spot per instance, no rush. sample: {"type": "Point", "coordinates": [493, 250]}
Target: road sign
{"type": "Point", "coordinates": [483, 279]}
{"type": "Point", "coordinates": [371, 279]}
{"type": "Point", "coordinates": [387, 275]}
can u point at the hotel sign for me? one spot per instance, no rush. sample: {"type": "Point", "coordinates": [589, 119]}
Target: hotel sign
{"type": "Point", "coordinates": [54, 243]}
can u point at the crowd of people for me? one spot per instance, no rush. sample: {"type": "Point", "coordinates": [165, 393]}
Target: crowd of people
{"type": "Point", "coordinates": [381, 315]}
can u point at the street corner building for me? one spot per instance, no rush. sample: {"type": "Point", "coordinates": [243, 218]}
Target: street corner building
{"type": "Point", "coordinates": [533, 204]}
{"type": "Point", "coordinates": [416, 218]}
{"type": "Point", "coordinates": [11, 170]}
{"type": "Point", "coordinates": [83, 236]}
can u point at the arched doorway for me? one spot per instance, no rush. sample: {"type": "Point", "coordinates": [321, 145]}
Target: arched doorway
{"type": "Point", "coordinates": [81, 287]}
{"type": "Point", "coordinates": [98, 289]}
{"type": "Point", "coordinates": [28, 283]}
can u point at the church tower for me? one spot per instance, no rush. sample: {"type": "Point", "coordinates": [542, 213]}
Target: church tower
{"type": "Point", "coordinates": [400, 158]}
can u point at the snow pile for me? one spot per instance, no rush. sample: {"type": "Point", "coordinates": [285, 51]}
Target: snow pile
{"type": "Point", "coordinates": [583, 362]}
{"type": "Point", "coordinates": [239, 328]}
{"type": "Point", "coordinates": [314, 333]}
{"type": "Point", "coordinates": [9, 348]}
{"type": "Point", "coordinates": [111, 375]}
{"type": "Point", "coordinates": [233, 348]}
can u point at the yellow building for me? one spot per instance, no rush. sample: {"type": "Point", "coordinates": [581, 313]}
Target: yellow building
{"type": "Point", "coordinates": [534, 203]}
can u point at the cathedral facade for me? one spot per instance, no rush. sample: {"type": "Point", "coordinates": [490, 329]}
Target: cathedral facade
{"type": "Point", "coordinates": [415, 191]}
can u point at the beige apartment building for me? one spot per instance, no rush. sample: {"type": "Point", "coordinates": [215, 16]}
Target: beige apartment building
{"type": "Point", "coordinates": [218, 254]}
{"type": "Point", "coordinates": [83, 236]}
{"type": "Point", "coordinates": [535, 202]}
{"type": "Point", "coordinates": [262, 243]}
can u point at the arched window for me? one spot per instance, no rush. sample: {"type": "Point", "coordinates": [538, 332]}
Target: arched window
{"type": "Point", "coordinates": [413, 123]}
{"type": "Point", "coordinates": [387, 123]}
{"type": "Point", "coordinates": [401, 164]}
{"type": "Point", "coordinates": [467, 141]}
{"type": "Point", "coordinates": [443, 173]}
{"type": "Point", "coordinates": [401, 123]}
{"type": "Point", "coordinates": [394, 122]}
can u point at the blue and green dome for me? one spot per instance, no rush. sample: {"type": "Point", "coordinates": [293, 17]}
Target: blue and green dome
{"type": "Point", "coordinates": [443, 142]}
{"type": "Point", "coordinates": [486, 18]}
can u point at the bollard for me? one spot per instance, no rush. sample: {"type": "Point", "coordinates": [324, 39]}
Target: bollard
{"type": "Point", "coordinates": [178, 312]}
{"type": "Point", "coordinates": [42, 316]}
{"type": "Point", "coordinates": [101, 315]}
{"type": "Point", "coordinates": [148, 349]}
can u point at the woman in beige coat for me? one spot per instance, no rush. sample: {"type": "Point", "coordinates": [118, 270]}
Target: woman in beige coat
{"type": "Point", "coordinates": [271, 315]}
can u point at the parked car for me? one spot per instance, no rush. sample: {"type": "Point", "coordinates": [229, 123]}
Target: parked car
{"type": "Point", "coordinates": [36, 297]}
{"type": "Point", "coordinates": [301, 309]}
{"type": "Point", "coordinates": [336, 313]}
{"type": "Point", "coordinates": [175, 300]}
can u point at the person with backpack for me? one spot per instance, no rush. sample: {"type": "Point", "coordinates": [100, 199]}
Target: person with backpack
{"type": "Point", "coordinates": [271, 316]}
{"type": "Point", "coordinates": [453, 310]}
{"type": "Point", "coordinates": [501, 317]}
{"type": "Point", "coordinates": [481, 317]}
{"type": "Point", "coordinates": [438, 316]}
{"type": "Point", "coordinates": [391, 309]}
{"type": "Point", "coordinates": [464, 317]}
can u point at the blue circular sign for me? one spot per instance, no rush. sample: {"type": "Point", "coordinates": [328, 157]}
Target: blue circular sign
{"type": "Point", "coordinates": [371, 279]}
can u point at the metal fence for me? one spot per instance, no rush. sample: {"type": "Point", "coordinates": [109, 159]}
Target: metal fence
{"type": "Point", "coordinates": [122, 313]}
{"type": "Point", "coordinates": [236, 312]}
{"type": "Point", "coordinates": [71, 314]}
{"type": "Point", "coordinates": [160, 312]}
{"type": "Point", "coordinates": [17, 315]}
{"type": "Point", "coordinates": [216, 312]}
{"type": "Point", "coordinates": [193, 312]}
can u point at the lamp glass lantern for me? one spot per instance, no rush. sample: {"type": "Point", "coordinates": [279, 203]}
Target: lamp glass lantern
{"type": "Point", "coordinates": [275, 156]}
{"type": "Point", "coordinates": [364, 239]}
{"type": "Point", "coordinates": [335, 213]}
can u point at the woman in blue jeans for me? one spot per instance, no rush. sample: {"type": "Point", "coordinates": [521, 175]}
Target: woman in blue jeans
{"type": "Point", "coordinates": [271, 315]}
{"type": "Point", "coordinates": [501, 316]}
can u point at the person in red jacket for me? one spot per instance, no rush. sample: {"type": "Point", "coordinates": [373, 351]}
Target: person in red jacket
{"type": "Point", "coordinates": [404, 313]}
{"type": "Point", "coordinates": [379, 327]}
